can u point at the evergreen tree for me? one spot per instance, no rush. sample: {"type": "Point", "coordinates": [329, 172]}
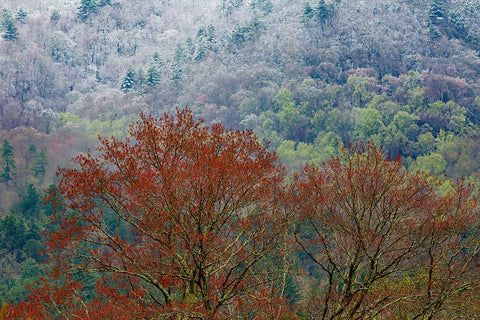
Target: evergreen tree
{"type": "Point", "coordinates": [8, 161]}
{"type": "Point", "coordinates": [55, 15]}
{"type": "Point", "coordinates": [153, 76]}
{"type": "Point", "coordinates": [308, 11]}
{"type": "Point", "coordinates": [211, 38]}
{"type": "Point", "coordinates": [129, 81]}
{"type": "Point", "coordinates": [437, 10]}
{"type": "Point", "coordinates": [156, 59]}
{"type": "Point", "coordinates": [86, 8]}
{"type": "Point", "coordinates": [324, 11]}
{"type": "Point", "coordinates": [31, 153]}
{"type": "Point", "coordinates": [29, 204]}
{"type": "Point", "coordinates": [200, 52]}
{"type": "Point", "coordinates": [10, 31]}
{"type": "Point", "coordinates": [21, 15]}
{"type": "Point", "coordinates": [12, 232]}
{"type": "Point", "coordinates": [39, 164]}
{"type": "Point", "coordinates": [103, 3]}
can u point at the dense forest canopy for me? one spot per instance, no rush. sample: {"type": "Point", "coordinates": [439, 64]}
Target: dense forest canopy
{"type": "Point", "coordinates": [186, 221]}
{"type": "Point", "coordinates": [309, 76]}
{"type": "Point", "coordinates": [308, 72]}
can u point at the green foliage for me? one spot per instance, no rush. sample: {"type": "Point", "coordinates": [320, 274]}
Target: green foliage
{"type": "Point", "coordinates": [416, 98]}
{"type": "Point", "coordinates": [296, 154]}
{"type": "Point", "coordinates": [425, 143]}
{"type": "Point", "coordinates": [153, 76]}
{"type": "Point", "coordinates": [68, 118]}
{"type": "Point", "coordinates": [108, 125]}
{"type": "Point", "coordinates": [403, 124]}
{"type": "Point", "coordinates": [369, 125]}
{"type": "Point", "coordinates": [249, 105]}
{"type": "Point", "coordinates": [359, 89]}
{"type": "Point", "coordinates": [12, 233]}
{"type": "Point", "coordinates": [7, 162]}
{"type": "Point", "coordinates": [40, 163]}
{"type": "Point", "coordinates": [29, 205]}
{"type": "Point", "coordinates": [328, 145]}
{"type": "Point", "coordinates": [433, 164]}
{"type": "Point", "coordinates": [243, 33]}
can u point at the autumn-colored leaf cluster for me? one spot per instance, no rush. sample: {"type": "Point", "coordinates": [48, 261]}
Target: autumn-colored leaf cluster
{"type": "Point", "coordinates": [185, 221]}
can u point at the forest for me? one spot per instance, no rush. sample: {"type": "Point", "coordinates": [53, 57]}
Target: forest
{"type": "Point", "coordinates": [333, 143]}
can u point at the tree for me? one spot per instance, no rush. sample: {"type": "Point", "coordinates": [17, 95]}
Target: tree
{"type": "Point", "coordinates": [29, 205]}
{"type": "Point", "coordinates": [55, 15]}
{"type": "Point", "coordinates": [103, 3]}
{"type": "Point", "coordinates": [8, 161]}
{"type": "Point", "coordinates": [369, 226]}
{"type": "Point", "coordinates": [447, 269]}
{"type": "Point", "coordinates": [437, 11]}
{"type": "Point", "coordinates": [153, 76]}
{"type": "Point", "coordinates": [10, 31]}
{"type": "Point", "coordinates": [180, 216]}
{"type": "Point", "coordinates": [21, 16]}
{"type": "Point", "coordinates": [129, 81]}
{"type": "Point", "coordinates": [369, 125]}
{"type": "Point", "coordinates": [39, 164]}
{"type": "Point", "coordinates": [12, 232]}
{"type": "Point", "coordinates": [86, 8]}
{"type": "Point", "coordinates": [324, 11]}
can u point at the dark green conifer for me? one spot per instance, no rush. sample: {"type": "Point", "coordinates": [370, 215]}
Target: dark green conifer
{"type": "Point", "coordinates": [129, 81]}
{"type": "Point", "coordinates": [39, 164]}
{"type": "Point", "coordinates": [10, 31]}
{"type": "Point", "coordinates": [153, 76]}
{"type": "Point", "coordinates": [86, 8]}
{"type": "Point", "coordinates": [8, 162]}
{"type": "Point", "coordinates": [437, 11]}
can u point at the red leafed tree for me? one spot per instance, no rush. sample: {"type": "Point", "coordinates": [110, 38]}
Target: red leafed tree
{"type": "Point", "coordinates": [179, 218]}
{"type": "Point", "coordinates": [380, 237]}
{"type": "Point", "coordinates": [446, 272]}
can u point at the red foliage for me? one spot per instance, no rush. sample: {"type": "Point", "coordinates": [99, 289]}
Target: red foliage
{"type": "Point", "coordinates": [179, 212]}
{"type": "Point", "coordinates": [366, 222]}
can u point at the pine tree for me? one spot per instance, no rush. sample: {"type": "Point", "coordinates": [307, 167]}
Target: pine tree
{"type": "Point", "coordinates": [323, 11]}
{"type": "Point", "coordinates": [21, 15]}
{"type": "Point", "coordinates": [105, 3]}
{"type": "Point", "coordinates": [437, 11]}
{"type": "Point", "coordinates": [55, 15]}
{"type": "Point", "coordinates": [153, 76]}
{"type": "Point", "coordinates": [308, 11]}
{"type": "Point", "coordinates": [86, 8]}
{"type": "Point", "coordinates": [10, 31]}
{"type": "Point", "coordinates": [39, 164]}
{"type": "Point", "coordinates": [8, 162]}
{"type": "Point", "coordinates": [31, 153]}
{"type": "Point", "coordinates": [29, 205]}
{"type": "Point", "coordinates": [129, 81]}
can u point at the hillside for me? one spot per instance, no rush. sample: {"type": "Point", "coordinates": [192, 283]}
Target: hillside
{"type": "Point", "coordinates": [404, 74]}
{"type": "Point", "coordinates": [308, 76]}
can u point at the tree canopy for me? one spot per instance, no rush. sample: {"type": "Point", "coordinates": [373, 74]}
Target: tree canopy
{"type": "Point", "coordinates": [181, 220]}
{"type": "Point", "coordinates": [180, 213]}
